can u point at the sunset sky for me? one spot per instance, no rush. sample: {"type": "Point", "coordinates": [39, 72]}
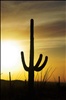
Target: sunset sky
{"type": "Point", "coordinates": [49, 37]}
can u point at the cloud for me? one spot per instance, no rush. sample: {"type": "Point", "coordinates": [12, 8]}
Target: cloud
{"type": "Point", "coordinates": [28, 9]}
{"type": "Point", "coordinates": [54, 29]}
{"type": "Point", "coordinates": [34, 4]}
{"type": "Point", "coordinates": [16, 15]}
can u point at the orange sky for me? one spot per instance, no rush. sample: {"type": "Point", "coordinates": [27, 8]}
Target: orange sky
{"type": "Point", "coordinates": [49, 37]}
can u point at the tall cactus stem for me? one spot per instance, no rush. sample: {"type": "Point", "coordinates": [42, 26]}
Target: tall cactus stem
{"type": "Point", "coordinates": [31, 67]}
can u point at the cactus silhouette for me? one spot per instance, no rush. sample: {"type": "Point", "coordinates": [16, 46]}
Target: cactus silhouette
{"type": "Point", "coordinates": [31, 67]}
{"type": "Point", "coordinates": [10, 79]}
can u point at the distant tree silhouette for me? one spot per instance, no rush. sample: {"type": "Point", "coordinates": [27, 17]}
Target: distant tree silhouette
{"type": "Point", "coordinates": [31, 67]}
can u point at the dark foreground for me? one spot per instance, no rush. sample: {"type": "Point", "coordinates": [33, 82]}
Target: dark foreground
{"type": "Point", "coordinates": [18, 90]}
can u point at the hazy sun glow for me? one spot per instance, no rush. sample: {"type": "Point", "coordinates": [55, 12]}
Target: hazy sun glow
{"type": "Point", "coordinates": [49, 38]}
{"type": "Point", "coordinates": [10, 53]}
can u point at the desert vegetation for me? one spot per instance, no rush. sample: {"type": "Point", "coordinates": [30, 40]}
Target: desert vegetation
{"type": "Point", "coordinates": [42, 91]}
{"type": "Point", "coordinates": [32, 90]}
{"type": "Point", "coordinates": [31, 67]}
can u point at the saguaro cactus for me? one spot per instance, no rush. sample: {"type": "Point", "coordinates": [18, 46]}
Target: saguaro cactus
{"type": "Point", "coordinates": [31, 67]}
{"type": "Point", "coordinates": [10, 78]}
{"type": "Point", "coordinates": [10, 86]}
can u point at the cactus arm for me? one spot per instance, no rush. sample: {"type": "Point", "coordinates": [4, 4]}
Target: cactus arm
{"type": "Point", "coordinates": [23, 61]}
{"type": "Point", "coordinates": [38, 62]}
{"type": "Point", "coordinates": [42, 66]}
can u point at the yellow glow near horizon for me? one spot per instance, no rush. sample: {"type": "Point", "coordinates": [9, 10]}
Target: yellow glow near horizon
{"type": "Point", "coordinates": [10, 53]}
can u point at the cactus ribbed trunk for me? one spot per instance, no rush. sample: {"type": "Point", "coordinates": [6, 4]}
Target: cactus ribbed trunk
{"type": "Point", "coordinates": [10, 86]}
{"type": "Point", "coordinates": [31, 69]}
{"type": "Point", "coordinates": [10, 78]}
{"type": "Point", "coordinates": [37, 67]}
